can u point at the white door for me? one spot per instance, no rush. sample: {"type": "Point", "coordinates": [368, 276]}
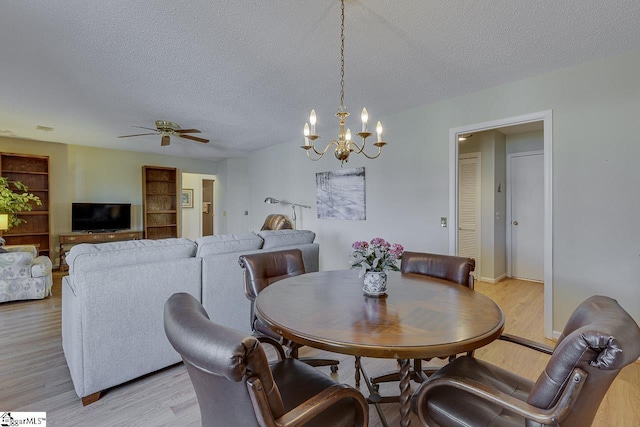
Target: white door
{"type": "Point", "coordinates": [526, 227]}
{"type": "Point", "coordinates": [469, 208]}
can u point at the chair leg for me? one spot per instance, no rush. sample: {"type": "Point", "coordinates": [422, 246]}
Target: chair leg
{"type": "Point", "coordinates": [321, 362]}
{"type": "Point", "coordinates": [415, 373]}
{"type": "Point", "coordinates": [293, 353]}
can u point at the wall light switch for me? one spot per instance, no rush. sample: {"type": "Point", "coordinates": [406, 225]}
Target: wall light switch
{"type": "Point", "coordinates": [246, 212]}
{"type": "Point", "coordinates": [443, 222]}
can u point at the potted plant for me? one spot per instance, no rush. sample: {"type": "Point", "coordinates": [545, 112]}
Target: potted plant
{"type": "Point", "coordinates": [14, 198]}
{"type": "Point", "coordinates": [374, 259]}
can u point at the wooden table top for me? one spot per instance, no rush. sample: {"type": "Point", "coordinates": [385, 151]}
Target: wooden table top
{"type": "Point", "coordinates": [420, 317]}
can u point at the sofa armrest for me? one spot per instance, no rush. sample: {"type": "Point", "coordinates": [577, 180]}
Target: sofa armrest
{"type": "Point", "coordinates": [41, 267]}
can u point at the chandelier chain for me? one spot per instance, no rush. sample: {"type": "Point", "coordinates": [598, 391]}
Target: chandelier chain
{"type": "Point", "coordinates": [342, 55]}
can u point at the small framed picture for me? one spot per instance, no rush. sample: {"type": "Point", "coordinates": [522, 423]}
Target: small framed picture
{"type": "Point", "coordinates": [187, 197]}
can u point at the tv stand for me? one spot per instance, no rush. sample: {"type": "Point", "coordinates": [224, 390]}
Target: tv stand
{"type": "Point", "coordinates": [93, 237]}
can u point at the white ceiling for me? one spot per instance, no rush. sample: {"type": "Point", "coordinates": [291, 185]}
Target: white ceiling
{"type": "Point", "coordinates": [246, 73]}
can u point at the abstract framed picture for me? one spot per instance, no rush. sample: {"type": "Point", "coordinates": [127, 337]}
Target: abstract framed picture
{"type": "Point", "coordinates": [187, 197]}
{"type": "Point", "coordinates": [341, 194]}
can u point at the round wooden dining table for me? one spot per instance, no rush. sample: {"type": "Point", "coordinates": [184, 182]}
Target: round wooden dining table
{"type": "Point", "coordinates": [419, 318]}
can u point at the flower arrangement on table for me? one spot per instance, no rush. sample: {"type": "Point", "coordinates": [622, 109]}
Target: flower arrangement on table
{"type": "Point", "coordinates": [376, 256]}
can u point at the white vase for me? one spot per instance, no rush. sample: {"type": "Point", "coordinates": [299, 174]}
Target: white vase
{"type": "Point", "coordinates": [375, 283]}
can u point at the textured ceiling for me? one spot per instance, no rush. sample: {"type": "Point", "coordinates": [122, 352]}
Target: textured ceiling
{"type": "Point", "coordinates": [246, 73]}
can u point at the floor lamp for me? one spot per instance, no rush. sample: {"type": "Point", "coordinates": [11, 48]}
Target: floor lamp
{"type": "Point", "coordinates": [271, 201]}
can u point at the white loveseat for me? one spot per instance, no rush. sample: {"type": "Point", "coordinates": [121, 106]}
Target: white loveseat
{"type": "Point", "coordinates": [114, 295]}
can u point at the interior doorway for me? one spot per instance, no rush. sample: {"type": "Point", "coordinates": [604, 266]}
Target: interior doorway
{"type": "Point", "coordinates": [207, 207]}
{"type": "Point", "coordinates": [544, 118]}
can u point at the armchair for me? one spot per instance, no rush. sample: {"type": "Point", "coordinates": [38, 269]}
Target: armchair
{"type": "Point", "coordinates": [24, 274]}
{"type": "Point", "coordinates": [599, 340]}
{"type": "Point", "coordinates": [236, 386]}
{"type": "Point", "coordinates": [261, 270]}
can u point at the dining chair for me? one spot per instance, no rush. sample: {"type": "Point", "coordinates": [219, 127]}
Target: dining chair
{"type": "Point", "coordinates": [263, 269]}
{"type": "Point", "coordinates": [451, 268]}
{"type": "Point", "coordinates": [447, 267]}
{"type": "Point", "coordinates": [236, 386]}
{"type": "Point", "coordinates": [599, 340]}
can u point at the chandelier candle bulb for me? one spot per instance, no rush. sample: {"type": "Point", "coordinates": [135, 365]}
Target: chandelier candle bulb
{"type": "Point", "coordinates": [306, 133]}
{"type": "Point", "coordinates": [379, 131]}
{"type": "Point", "coordinates": [348, 135]}
{"type": "Point", "coordinates": [312, 120]}
{"type": "Point", "coordinates": [365, 117]}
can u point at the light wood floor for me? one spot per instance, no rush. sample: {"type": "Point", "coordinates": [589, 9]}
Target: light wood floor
{"type": "Point", "coordinates": [34, 375]}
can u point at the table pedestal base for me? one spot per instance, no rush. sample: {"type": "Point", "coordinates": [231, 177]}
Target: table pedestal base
{"type": "Point", "coordinates": [376, 399]}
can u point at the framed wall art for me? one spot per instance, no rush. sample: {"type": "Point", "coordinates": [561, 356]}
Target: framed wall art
{"type": "Point", "coordinates": [341, 194]}
{"type": "Point", "coordinates": [187, 197]}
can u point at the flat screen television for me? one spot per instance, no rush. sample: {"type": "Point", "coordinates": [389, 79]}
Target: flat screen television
{"type": "Point", "coordinates": [100, 216]}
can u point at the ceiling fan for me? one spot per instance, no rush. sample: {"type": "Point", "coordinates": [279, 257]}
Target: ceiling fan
{"type": "Point", "coordinates": [166, 129]}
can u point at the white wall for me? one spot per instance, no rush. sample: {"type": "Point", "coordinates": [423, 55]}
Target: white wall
{"type": "Point", "coordinates": [596, 230]}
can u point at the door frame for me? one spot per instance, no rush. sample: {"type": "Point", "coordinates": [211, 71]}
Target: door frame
{"type": "Point", "coordinates": [547, 118]}
{"type": "Point", "coordinates": [508, 213]}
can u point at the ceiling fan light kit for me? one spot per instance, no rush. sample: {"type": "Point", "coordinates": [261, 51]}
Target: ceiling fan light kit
{"type": "Point", "coordinates": [166, 129]}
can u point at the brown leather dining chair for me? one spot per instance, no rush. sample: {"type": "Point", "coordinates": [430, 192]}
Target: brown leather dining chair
{"type": "Point", "coordinates": [261, 270]}
{"type": "Point", "coordinates": [236, 386]}
{"type": "Point", "coordinates": [599, 340]}
{"type": "Point", "coordinates": [451, 268]}
{"type": "Point", "coordinates": [447, 267]}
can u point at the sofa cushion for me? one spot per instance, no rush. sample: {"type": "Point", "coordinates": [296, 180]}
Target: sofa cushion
{"type": "Point", "coordinates": [280, 238]}
{"type": "Point", "coordinates": [16, 259]}
{"type": "Point", "coordinates": [89, 257]}
{"type": "Point", "coordinates": [227, 243]}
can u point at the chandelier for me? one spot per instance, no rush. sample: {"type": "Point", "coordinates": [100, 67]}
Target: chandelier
{"type": "Point", "coordinates": [344, 146]}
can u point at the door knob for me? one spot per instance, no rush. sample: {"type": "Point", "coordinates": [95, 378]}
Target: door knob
{"type": "Point", "coordinates": [515, 222]}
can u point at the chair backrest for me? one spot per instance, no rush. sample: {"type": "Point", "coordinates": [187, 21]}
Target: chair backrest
{"type": "Point", "coordinates": [448, 267]}
{"type": "Point", "coordinates": [600, 338]}
{"type": "Point", "coordinates": [264, 268]}
{"type": "Point", "coordinates": [277, 222]}
{"type": "Point", "coordinates": [219, 361]}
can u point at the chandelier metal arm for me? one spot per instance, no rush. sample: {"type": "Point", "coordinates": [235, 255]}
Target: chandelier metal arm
{"type": "Point", "coordinates": [312, 146]}
{"type": "Point", "coordinates": [360, 150]}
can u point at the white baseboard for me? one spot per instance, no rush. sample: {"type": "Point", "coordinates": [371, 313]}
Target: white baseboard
{"type": "Point", "coordinates": [493, 281]}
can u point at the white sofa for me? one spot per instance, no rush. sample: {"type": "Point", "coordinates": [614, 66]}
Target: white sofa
{"type": "Point", "coordinates": [113, 299]}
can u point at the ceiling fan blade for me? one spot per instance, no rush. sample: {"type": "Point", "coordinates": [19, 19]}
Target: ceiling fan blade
{"type": "Point", "coordinates": [194, 138]}
{"type": "Point", "coordinates": [187, 131]}
{"type": "Point", "coordinates": [142, 127]}
{"type": "Point", "coordinates": [165, 140]}
{"type": "Point", "coordinates": [138, 134]}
